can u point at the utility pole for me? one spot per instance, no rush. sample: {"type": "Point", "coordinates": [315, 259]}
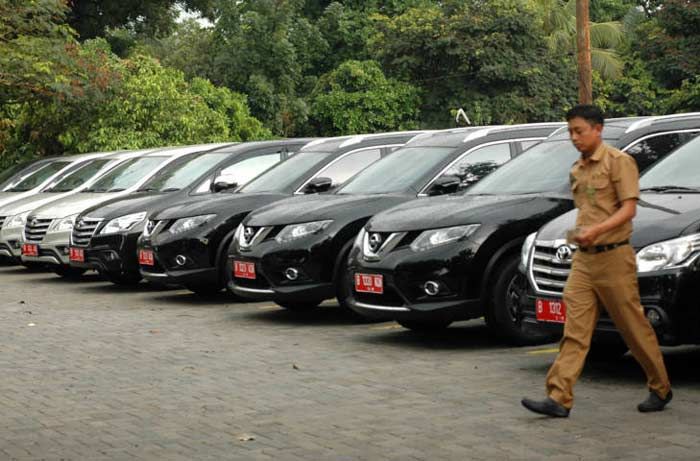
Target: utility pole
{"type": "Point", "coordinates": [583, 47]}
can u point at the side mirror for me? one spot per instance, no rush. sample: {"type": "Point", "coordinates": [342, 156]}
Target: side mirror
{"type": "Point", "coordinates": [445, 185]}
{"type": "Point", "coordinates": [218, 186]}
{"type": "Point", "coordinates": [317, 185]}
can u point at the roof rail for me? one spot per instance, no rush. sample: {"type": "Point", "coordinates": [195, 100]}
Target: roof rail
{"type": "Point", "coordinates": [648, 121]}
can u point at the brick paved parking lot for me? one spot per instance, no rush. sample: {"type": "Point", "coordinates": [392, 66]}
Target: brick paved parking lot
{"type": "Point", "coordinates": [93, 371]}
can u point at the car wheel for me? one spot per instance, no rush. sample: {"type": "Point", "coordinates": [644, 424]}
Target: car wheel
{"type": "Point", "coordinates": [299, 307]}
{"type": "Point", "coordinates": [69, 272]}
{"type": "Point", "coordinates": [504, 314]}
{"type": "Point", "coordinates": [425, 326]}
{"type": "Point", "coordinates": [123, 278]}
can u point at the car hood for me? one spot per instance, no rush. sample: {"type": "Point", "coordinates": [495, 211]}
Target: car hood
{"type": "Point", "coordinates": [323, 206]}
{"type": "Point", "coordinates": [133, 203]}
{"type": "Point", "coordinates": [437, 212]}
{"type": "Point", "coordinates": [30, 203]}
{"type": "Point", "coordinates": [73, 204]}
{"type": "Point", "coordinates": [222, 204]}
{"type": "Point", "coordinates": [659, 217]}
{"type": "Point", "coordinates": [9, 197]}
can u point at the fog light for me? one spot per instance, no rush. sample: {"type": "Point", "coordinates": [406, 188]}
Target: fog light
{"type": "Point", "coordinates": [15, 244]}
{"type": "Point", "coordinates": [291, 274]}
{"type": "Point", "coordinates": [431, 288]}
{"type": "Point", "coordinates": [180, 260]}
{"type": "Point", "coordinates": [654, 317]}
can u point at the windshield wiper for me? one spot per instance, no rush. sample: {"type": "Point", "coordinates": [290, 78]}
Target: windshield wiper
{"type": "Point", "coordinates": [171, 189]}
{"type": "Point", "coordinates": [147, 189]}
{"type": "Point", "coordinates": [670, 188]}
{"type": "Point", "coordinates": [95, 190]}
{"type": "Point", "coordinates": [116, 189]}
{"type": "Point", "coordinates": [58, 190]}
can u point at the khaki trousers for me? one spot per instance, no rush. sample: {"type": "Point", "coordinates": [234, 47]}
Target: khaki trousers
{"type": "Point", "coordinates": [604, 280]}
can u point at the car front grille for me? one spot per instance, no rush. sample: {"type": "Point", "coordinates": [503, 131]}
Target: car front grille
{"type": "Point", "coordinates": [36, 228]}
{"type": "Point", "coordinates": [83, 231]}
{"type": "Point", "coordinates": [550, 264]}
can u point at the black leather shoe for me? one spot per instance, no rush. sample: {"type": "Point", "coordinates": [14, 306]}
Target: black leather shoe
{"type": "Point", "coordinates": [546, 407]}
{"type": "Point", "coordinates": [654, 402]}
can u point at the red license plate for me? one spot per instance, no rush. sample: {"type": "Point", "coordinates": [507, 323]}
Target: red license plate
{"type": "Point", "coordinates": [77, 255]}
{"type": "Point", "coordinates": [30, 250]}
{"type": "Point", "coordinates": [146, 258]}
{"type": "Point", "coordinates": [244, 270]}
{"type": "Point", "coordinates": [549, 310]}
{"type": "Point", "coordinates": [369, 283]}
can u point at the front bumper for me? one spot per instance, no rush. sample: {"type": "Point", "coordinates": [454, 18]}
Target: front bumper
{"type": "Point", "coordinates": [54, 249]}
{"type": "Point", "coordinates": [405, 274]}
{"type": "Point", "coordinates": [11, 243]}
{"type": "Point", "coordinates": [113, 253]}
{"type": "Point", "coordinates": [312, 258]}
{"type": "Point", "coordinates": [671, 297]}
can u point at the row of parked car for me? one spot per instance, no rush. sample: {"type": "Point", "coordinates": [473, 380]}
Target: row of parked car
{"type": "Point", "coordinates": [425, 228]}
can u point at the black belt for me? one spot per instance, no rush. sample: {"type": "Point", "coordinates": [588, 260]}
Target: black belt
{"type": "Point", "coordinates": [602, 248]}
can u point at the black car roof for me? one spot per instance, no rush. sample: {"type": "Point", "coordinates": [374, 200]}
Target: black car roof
{"type": "Point", "coordinates": [253, 145]}
{"type": "Point", "coordinates": [459, 137]}
{"type": "Point", "coordinates": [343, 144]}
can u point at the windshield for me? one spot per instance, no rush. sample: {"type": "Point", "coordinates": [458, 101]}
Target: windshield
{"type": "Point", "coordinates": [15, 172]}
{"type": "Point", "coordinates": [678, 169]}
{"type": "Point", "coordinates": [126, 175]}
{"type": "Point", "coordinates": [542, 168]}
{"type": "Point", "coordinates": [75, 178]}
{"type": "Point", "coordinates": [398, 172]}
{"type": "Point", "coordinates": [36, 178]}
{"type": "Point", "coordinates": [182, 173]}
{"type": "Point", "coordinates": [286, 173]}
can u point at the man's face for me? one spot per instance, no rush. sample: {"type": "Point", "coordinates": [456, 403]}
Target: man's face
{"type": "Point", "coordinates": [585, 136]}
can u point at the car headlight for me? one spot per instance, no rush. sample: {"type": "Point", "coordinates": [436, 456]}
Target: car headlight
{"type": "Point", "coordinates": [185, 224]}
{"type": "Point", "coordinates": [63, 224]}
{"type": "Point", "coordinates": [297, 231]}
{"type": "Point", "coordinates": [525, 251]}
{"type": "Point", "coordinates": [18, 220]}
{"type": "Point", "coordinates": [668, 254]}
{"type": "Point", "coordinates": [436, 237]}
{"type": "Point", "coordinates": [123, 223]}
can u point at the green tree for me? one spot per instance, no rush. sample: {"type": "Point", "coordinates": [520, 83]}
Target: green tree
{"type": "Point", "coordinates": [357, 98]}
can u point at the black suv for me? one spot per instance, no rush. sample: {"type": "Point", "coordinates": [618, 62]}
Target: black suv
{"type": "Point", "coordinates": [104, 237]}
{"type": "Point", "coordinates": [293, 251]}
{"type": "Point", "coordinates": [667, 240]}
{"type": "Point", "coordinates": [187, 243]}
{"type": "Point", "coordinates": [427, 263]}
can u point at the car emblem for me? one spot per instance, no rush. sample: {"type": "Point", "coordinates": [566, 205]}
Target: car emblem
{"type": "Point", "coordinates": [248, 233]}
{"type": "Point", "coordinates": [375, 242]}
{"type": "Point", "coordinates": [564, 253]}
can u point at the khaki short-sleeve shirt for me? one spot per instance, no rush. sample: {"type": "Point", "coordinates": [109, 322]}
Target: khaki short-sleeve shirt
{"type": "Point", "coordinates": [600, 185]}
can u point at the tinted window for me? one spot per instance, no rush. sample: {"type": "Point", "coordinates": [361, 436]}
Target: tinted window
{"type": "Point", "coordinates": [38, 177]}
{"type": "Point", "coordinates": [286, 173]}
{"type": "Point", "coordinates": [652, 149]}
{"type": "Point", "coordinates": [525, 145]}
{"type": "Point", "coordinates": [682, 168]}
{"type": "Point", "coordinates": [403, 170]}
{"type": "Point", "coordinates": [15, 172]}
{"type": "Point", "coordinates": [545, 167]}
{"type": "Point", "coordinates": [243, 171]}
{"type": "Point", "coordinates": [126, 175]}
{"type": "Point", "coordinates": [348, 166]}
{"type": "Point", "coordinates": [182, 173]}
{"type": "Point", "coordinates": [76, 178]}
{"type": "Point", "coordinates": [478, 163]}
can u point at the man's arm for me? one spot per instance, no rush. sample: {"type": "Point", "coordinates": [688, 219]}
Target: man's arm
{"type": "Point", "coordinates": [625, 214]}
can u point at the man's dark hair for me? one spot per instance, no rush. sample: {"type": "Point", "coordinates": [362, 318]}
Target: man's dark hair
{"type": "Point", "coordinates": [588, 112]}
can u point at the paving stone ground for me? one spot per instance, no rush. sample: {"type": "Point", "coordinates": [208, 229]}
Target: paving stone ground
{"type": "Point", "coordinates": [91, 371]}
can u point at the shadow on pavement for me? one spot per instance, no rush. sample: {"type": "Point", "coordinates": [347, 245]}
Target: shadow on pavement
{"type": "Point", "coordinates": [322, 316]}
{"type": "Point", "coordinates": [143, 287]}
{"type": "Point", "coordinates": [188, 298]}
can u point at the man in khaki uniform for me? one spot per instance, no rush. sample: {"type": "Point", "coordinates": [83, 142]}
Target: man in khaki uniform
{"type": "Point", "coordinates": [605, 186]}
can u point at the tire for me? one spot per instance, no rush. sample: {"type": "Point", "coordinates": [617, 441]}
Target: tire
{"type": "Point", "coordinates": [425, 326]}
{"type": "Point", "coordinates": [299, 307]}
{"type": "Point", "coordinates": [69, 272]}
{"type": "Point", "coordinates": [506, 298]}
{"type": "Point", "coordinates": [123, 278]}
{"type": "Point", "coordinates": [606, 352]}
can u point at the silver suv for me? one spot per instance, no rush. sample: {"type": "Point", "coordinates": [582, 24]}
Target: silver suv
{"type": "Point", "coordinates": [47, 232]}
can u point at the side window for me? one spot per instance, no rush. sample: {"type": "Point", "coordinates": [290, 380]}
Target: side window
{"type": "Point", "coordinates": [478, 163]}
{"type": "Point", "coordinates": [649, 150]}
{"type": "Point", "coordinates": [348, 166]}
{"type": "Point", "coordinates": [243, 171]}
{"type": "Point", "coordinates": [525, 145]}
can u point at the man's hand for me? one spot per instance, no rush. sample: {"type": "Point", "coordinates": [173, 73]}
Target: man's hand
{"type": "Point", "coordinates": [586, 236]}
